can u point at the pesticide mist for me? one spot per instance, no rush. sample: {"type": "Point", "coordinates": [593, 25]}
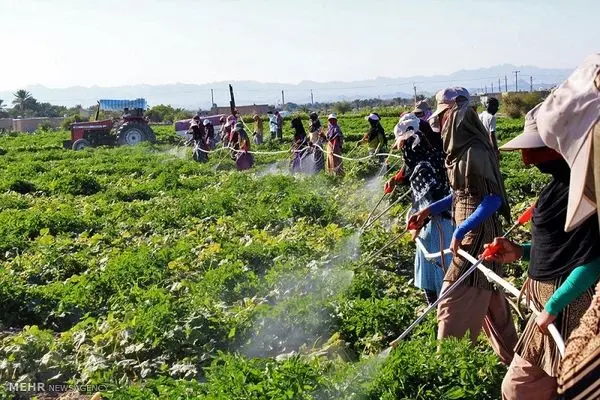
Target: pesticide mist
{"type": "Point", "coordinates": [299, 319]}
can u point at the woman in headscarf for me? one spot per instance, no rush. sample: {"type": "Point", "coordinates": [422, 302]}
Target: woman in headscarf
{"type": "Point", "coordinates": [258, 129]}
{"type": "Point", "coordinates": [425, 173]}
{"type": "Point", "coordinates": [334, 146]}
{"type": "Point", "coordinates": [477, 199]}
{"type": "Point", "coordinates": [200, 151]}
{"type": "Point", "coordinates": [299, 146]}
{"type": "Point", "coordinates": [243, 159]}
{"type": "Point", "coordinates": [224, 131]}
{"type": "Point", "coordinates": [375, 138]}
{"type": "Point", "coordinates": [316, 139]}
{"type": "Point", "coordinates": [210, 134]}
{"type": "Point", "coordinates": [562, 266]}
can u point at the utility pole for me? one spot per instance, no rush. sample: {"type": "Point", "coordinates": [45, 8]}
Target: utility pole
{"type": "Point", "coordinates": [415, 89]}
{"type": "Point", "coordinates": [485, 89]}
{"type": "Point", "coordinates": [499, 85]}
{"type": "Point", "coordinates": [516, 80]}
{"type": "Point", "coordinates": [492, 87]}
{"type": "Point", "coordinates": [212, 98]}
{"type": "Point", "coordinates": [530, 83]}
{"type": "Point", "coordinates": [282, 99]}
{"type": "Point", "coordinates": [312, 99]}
{"type": "Point", "coordinates": [505, 84]}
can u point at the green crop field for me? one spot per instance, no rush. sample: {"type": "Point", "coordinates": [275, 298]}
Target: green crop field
{"type": "Point", "coordinates": [155, 277]}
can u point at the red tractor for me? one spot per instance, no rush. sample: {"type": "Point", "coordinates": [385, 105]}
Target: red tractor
{"type": "Point", "coordinates": [131, 129]}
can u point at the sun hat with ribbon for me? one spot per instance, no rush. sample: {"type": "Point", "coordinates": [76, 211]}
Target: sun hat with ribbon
{"type": "Point", "coordinates": [565, 123]}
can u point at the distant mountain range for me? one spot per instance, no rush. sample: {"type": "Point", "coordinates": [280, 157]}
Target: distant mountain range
{"type": "Point", "coordinates": [194, 96]}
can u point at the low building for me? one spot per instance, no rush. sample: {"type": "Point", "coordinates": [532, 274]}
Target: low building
{"type": "Point", "coordinates": [6, 124]}
{"type": "Point", "coordinates": [31, 124]}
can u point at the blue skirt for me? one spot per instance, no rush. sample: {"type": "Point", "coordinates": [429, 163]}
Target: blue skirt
{"type": "Point", "coordinates": [428, 275]}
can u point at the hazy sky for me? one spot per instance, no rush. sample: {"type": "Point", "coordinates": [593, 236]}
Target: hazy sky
{"type": "Point", "coordinates": [60, 43]}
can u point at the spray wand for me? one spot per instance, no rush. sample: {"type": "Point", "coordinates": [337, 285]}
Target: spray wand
{"type": "Point", "coordinates": [491, 250]}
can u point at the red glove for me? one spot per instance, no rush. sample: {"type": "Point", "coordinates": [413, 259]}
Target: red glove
{"type": "Point", "coordinates": [399, 177]}
{"type": "Point", "coordinates": [389, 186]}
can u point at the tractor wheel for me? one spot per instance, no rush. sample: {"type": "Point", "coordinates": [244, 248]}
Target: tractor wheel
{"type": "Point", "coordinates": [131, 133]}
{"type": "Point", "coordinates": [80, 144]}
{"type": "Point", "coordinates": [150, 136]}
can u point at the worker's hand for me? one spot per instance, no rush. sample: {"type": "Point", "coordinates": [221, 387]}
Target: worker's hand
{"type": "Point", "coordinates": [502, 251]}
{"type": "Point", "coordinates": [414, 233]}
{"type": "Point", "coordinates": [455, 245]}
{"type": "Point", "coordinates": [543, 320]}
{"type": "Point", "coordinates": [399, 177]}
{"type": "Point", "coordinates": [417, 220]}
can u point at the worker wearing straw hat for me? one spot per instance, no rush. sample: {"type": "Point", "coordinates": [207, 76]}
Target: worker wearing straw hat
{"type": "Point", "coordinates": [477, 199]}
{"type": "Point", "coordinates": [569, 122]}
{"type": "Point", "coordinates": [560, 266]}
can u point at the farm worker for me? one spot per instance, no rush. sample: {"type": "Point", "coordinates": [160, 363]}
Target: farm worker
{"type": "Point", "coordinates": [199, 140]}
{"type": "Point", "coordinates": [243, 159]}
{"type": "Point", "coordinates": [316, 139]}
{"type": "Point", "coordinates": [224, 131]}
{"type": "Point", "coordinates": [478, 196]}
{"type": "Point", "coordinates": [422, 110]}
{"type": "Point", "coordinates": [299, 146]}
{"type": "Point", "coordinates": [272, 124]}
{"type": "Point", "coordinates": [258, 129]}
{"type": "Point", "coordinates": [279, 125]}
{"type": "Point", "coordinates": [334, 146]}
{"type": "Point", "coordinates": [562, 269]}
{"type": "Point", "coordinates": [233, 136]}
{"type": "Point", "coordinates": [488, 119]}
{"type": "Point", "coordinates": [425, 173]}
{"type": "Point", "coordinates": [569, 122]}
{"type": "Point", "coordinates": [376, 136]}
{"type": "Point", "coordinates": [210, 134]}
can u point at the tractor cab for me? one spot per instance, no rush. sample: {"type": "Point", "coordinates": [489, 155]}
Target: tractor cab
{"type": "Point", "coordinates": [132, 128]}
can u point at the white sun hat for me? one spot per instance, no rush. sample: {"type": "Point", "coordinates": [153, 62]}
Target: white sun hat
{"type": "Point", "coordinates": [530, 138]}
{"type": "Point", "coordinates": [565, 122]}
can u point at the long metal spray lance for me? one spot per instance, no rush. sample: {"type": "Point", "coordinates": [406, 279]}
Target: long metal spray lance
{"type": "Point", "coordinates": [381, 214]}
{"type": "Point", "coordinates": [373, 211]}
{"type": "Point", "coordinates": [524, 218]}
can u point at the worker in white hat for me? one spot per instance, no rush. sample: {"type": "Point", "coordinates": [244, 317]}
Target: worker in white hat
{"type": "Point", "coordinates": [562, 269]}
{"type": "Point", "coordinates": [569, 122]}
{"type": "Point", "coordinates": [375, 137]}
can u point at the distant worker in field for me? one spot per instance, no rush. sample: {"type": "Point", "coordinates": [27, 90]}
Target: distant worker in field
{"type": "Point", "coordinates": [335, 140]}
{"type": "Point", "coordinates": [233, 138]}
{"type": "Point", "coordinates": [316, 138]}
{"type": "Point", "coordinates": [422, 110]}
{"type": "Point", "coordinates": [279, 125]}
{"type": "Point", "coordinates": [478, 198]}
{"type": "Point", "coordinates": [488, 119]}
{"type": "Point", "coordinates": [257, 136]}
{"type": "Point", "coordinates": [210, 134]}
{"type": "Point", "coordinates": [243, 159]}
{"type": "Point", "coordinates": [272, 124]}
{"type": "Point", "coordinates": [299, 147]}
{"type": "Point", "coordinates": [424, 171]}
{"type": "Point", "coordinates": [375, 138]}
{"type": "Point", "coordinates": [224, 131]}
{"type": "Point", "coordinates": [199, 152]}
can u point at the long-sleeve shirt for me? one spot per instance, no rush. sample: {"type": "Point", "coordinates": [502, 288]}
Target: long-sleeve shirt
{"type": "Point", "coordinates": [579, 280]}
{"type": "Point", "coordinates": [488, 206]}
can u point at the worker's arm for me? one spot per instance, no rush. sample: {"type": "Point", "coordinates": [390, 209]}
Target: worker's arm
{"type": "Point", "coordinates": [526, 248]}
{"type": "Point", "coordinates": [441, 205]}
{"type": "Point", "coordinates": [488, 206]}
{"type": "Point", "coordinates": [578, 281]}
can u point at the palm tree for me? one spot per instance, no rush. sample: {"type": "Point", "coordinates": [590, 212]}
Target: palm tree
{"type": "Point", "coordinates": [22, 97]}
{"type": "Point", "coordinates": [2, 105]}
